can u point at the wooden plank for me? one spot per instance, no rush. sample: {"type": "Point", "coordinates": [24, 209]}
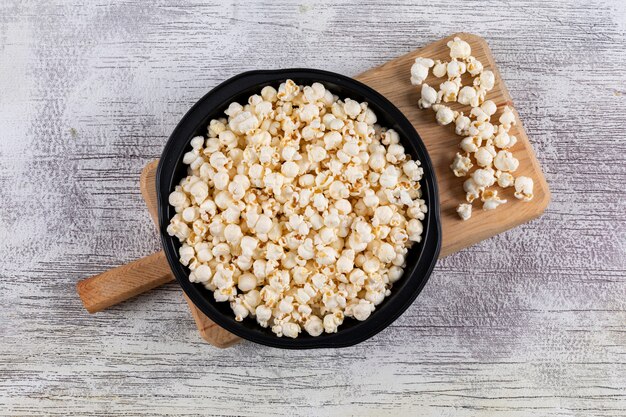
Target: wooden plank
{"type": "Point", "coordinates": [124, 282]}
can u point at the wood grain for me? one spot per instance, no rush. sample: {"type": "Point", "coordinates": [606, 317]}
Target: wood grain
{"type": "Point", "coordinates": [391, 80]}
{"type": "Point", "coordinates": [124, 282]}
{"type": "Point", "coordinates": [527, 323]}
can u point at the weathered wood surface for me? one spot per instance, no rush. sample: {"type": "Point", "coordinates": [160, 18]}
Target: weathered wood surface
{"type": "Point", "coordinates": [531, 322]}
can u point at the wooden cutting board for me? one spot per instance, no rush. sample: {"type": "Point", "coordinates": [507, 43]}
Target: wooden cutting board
{"type": "Point", "coordinates": [391, 80]}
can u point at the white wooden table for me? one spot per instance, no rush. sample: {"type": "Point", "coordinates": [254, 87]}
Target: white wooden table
{"type": "Point", "coordinates": [529, 323]}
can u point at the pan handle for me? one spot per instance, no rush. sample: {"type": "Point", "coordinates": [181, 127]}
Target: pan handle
{"type": "Point", "coordinates": [119, 284]}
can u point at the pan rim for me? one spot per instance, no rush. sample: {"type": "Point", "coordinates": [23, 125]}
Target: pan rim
{"type": "Point", "coordinates": [430, 245]}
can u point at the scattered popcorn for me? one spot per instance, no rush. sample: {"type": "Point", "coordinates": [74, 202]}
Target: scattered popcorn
{"type": "Point", "coordinates": [461, 165]}
{"type": "Point", "coordinates": [485, 81]}
{"type": "Point", "coordinates": [505, 161]}
{"type": "Point", "coordinates": [489, 108]}
{"type": "Point", "coordinates": [440, 69]}
{"type": "Point", "coordinates": [468, 96]}
{"type": "Point", "coordinates": [445, 115]}
{"type": "Point", "coordinates": [484, 177]}
{"type": "Point", "coordinates": [462, 125]}
{"type": "Point", "coordinates": [419, 70]}
{"type": "Point", "coordinates": [459, 49]}
{"type": "Point", "coordinates": [474, 66]}
{"type": "Point", "coordinates": [449, 90]}
{"type": "Point", "coordinates": [507, 119]}
{"type": "Point", "coordinates": [505, 179]}
{"type": "Point", "coordinates": [455, 69]}
{"type": "Point", "coordinates": [299, 210]}
{"type": "Point", "coordinates": [488, 143]}
{"type": "Point", "coordinates": [426, 62]}
{"type": "Point", "coordinates": [524, 188]}
{"type": "Point", "coordinates": [503, 140]}
{"type": "Point", "coordinates": [471, 144]}
{"type": "Point", "coordinates": [464, 211]}
{"type": "Point", "coordinates": [428, 98]}
{"type": "Point", "coordinates": [484, 156]}
{"type": "Point", "coordinates": [491, 200]}
{"type": "Point", "coordinates": [472, 190]}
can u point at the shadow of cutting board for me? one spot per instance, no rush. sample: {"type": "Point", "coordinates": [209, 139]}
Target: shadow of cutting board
{"type": "Point", "coordinates": [392, 80]}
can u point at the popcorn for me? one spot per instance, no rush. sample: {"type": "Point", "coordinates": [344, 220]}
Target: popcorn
{"type": "Point", "coordinates": [474, 66]}
{"type": "Point", "coordinates": [480, 136]}
{"type": "Point", "coordinates": [484, 156]}
{"type": "Point", "coordinates": [428, 97]}
{"type": "Point", "coordinates": [471, 144]}
{"type": "Point", "coordinates": [505, 179]}
{"type": "Point", "coordinates": [389, 177]}
{"type": "Point", "coordinates": [486, 81]}
{"type": "Point", "coordinates": [440, 69]}
{"type": "Point", "coordinates": [449, 90]}
{"type": "Point", "coordinates": [419, 70]}
{"type": "Point", "coordinates": [244, 122]}
{"type": "Point", "coordinates": [459, 48]}
{"type": "Point", "coordinates": [199, 191]}
{"type": "Point", "coordinates": [178, 199]}
{"type": "Point", "coordinates": [414, 229]}
{"type": "Point", "coordinates": [186, 254]}
{"type": "Point", "coordinates": [489, 108]}
{"type": "Point", "coordinates": [455, 69]}
{"type": "Point", "coordinates": [464, 211]}
{"type": "Point", "coordinates": [190, 214]}
{"type": "Point", "coordinates": [290, 169]}
{"type": "Point", "coordinates": [502, 140]}
{"type": "Point", "coordinates": [332, 322]}
{"type": "Point", "coordinates": [298, 210]}
{"type": "Point", "coordinates": [263, 315]}
{"type": "Point", "coordinates": [484, 177]}
{"type": "Point", "coordinates": [445, 115]}
{"type": "Point", "coordinates": [382, 215]}
{"type": "Point", "coordinates": [461, 165]}
{"type": "Point", "coordinates": [412, 170]}
{"type": "Point", "coordinates": [202, 273]}
{"type": "Point", "coordinates": [507, 119]}
{"type": "Point", "coordinates": [362, 310]}
{"type": "Point", "coordinates": [314, 326]}
{"type": "Point", "coordinates": [468, 96]}
{"type": "Point", "coordinates": [524, 188]}
{"type": "Point", "coordinates": [491, 200]}
{"type": "Point", "coordinates": [232, 234]}
{"type": "Point", "coordinates": [505, 161]}
{"type": "Point", "coordinates": [386, 252]}
{"type": "Point", "coordinates": [462, 125]}
{"type": "Point", "coordinates": [472, 190]}
{"type": "Point", "coordinates": [352, 108]}
{"type": "Point", "coordinates": [239, 309]}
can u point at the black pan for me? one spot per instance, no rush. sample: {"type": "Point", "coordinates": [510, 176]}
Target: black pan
{"type": "Point", "coordinates": [421, 258]}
